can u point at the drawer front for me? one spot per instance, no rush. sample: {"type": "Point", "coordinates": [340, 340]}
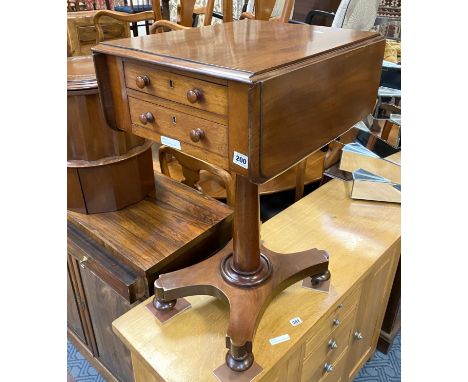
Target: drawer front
{"type": "Point", "coordinates": [334, 320]}
{"type": "Point", "coordinates": [323, 372]}
{"type": "Point", "coordinates": [341, 310]}
{"type": "Point", "coordinates": [316, 355]}
{"type": "Point", "coordinates": [185, 90]}
{"type": "Point", "coordinates": [178, 125]}
{"type": "Point", "coordinates": [117, 276]}
{"type": "Point", "coordinates": [338, 369]}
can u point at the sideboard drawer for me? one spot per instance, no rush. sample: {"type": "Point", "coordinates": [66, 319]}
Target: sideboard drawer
{"type": "Point", "coordinates": [317, 354]}
{"type": "Point", "coordinates": [189, 91]}
{"type": "Point", "coordinates": [342, 309]}
{"type": "Point", "coordinates": [178, 125]}
{"type": "Point", "coordinates": [340, 337]}
{"type": "Point", "coordinates": [338, 317]}
{"type": "Point", "coordinates": [329, 369]}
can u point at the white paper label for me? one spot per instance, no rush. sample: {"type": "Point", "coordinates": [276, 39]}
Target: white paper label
{"type": "Point", "coordinates": [170, 142]}
{"type": "Point", "coordinates": [278, 340]}
{"type": "Point", "coordinates": [295, 321]}
{"type": "Point", "coordinates": [240, 159]}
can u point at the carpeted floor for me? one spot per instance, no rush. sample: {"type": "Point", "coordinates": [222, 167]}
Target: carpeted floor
{"type": "Point", "coordinates": [380, 368]}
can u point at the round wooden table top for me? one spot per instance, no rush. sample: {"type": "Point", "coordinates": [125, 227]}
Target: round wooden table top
{"type": "Point", "coordinates": [80, 73]}
{"type": "Point", "coordinates": [286, 181]}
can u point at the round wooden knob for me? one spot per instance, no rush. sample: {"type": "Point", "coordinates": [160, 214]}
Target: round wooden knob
{"type": "Point", "coordinates": [194, 95]}
{"type": "Point", "coordinates": [146, 117]}
{"type": "Point", "coordinates": [142, 81]}
{"type": "Point", "coordinates": [197, 134]}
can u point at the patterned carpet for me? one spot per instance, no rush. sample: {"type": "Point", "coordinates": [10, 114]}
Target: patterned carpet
{"type": "Point", "coordinates": [380, 368]}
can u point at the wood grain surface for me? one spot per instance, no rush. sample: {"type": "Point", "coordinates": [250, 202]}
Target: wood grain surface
{"type": "Point", "coordinates": [149, 234]}
{"type": "Point", "coordinates": [240, 50]}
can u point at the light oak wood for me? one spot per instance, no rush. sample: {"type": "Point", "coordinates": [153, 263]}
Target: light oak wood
{"type": "Point", "coordinates": [361, 237]}
{"type": "Point", "coordinates": [81, 33]}
{"type": "Point", "coordinates": [386, 168]}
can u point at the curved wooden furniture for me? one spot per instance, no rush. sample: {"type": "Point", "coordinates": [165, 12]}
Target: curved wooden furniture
{"type": "Point", "coordinates": [185, 13]}
{"type": "Point", "coordinates": [106, 170]}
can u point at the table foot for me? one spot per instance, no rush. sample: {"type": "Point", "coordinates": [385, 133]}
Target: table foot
{"type": "Point", "coordinates": [163, 305]}
{"type": "Point", "coordinates": [246, 303]}
{"type": "Point", "coordinates": [239, 358]}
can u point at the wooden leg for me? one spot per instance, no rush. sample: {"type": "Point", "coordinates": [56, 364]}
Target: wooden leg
{"type": "Point", "coordinates": [243, 274]}
{"type": "Point", "coordinates": [135, 29]}
{"type": "Point", "coordinates": [300, 178]}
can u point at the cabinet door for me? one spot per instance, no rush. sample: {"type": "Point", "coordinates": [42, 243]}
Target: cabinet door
{"type": "Point", "coordinates": [371, 305]}
{"type": "Point", "coordinates": [105, 305]}
{"type": "Point", "coordinates": [73, 316]}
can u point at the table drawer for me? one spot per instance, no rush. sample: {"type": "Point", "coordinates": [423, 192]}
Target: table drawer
{"type": "Point", "coordinates": [317, 354]}
{"type": "Point", "coordinates": [189, 91]}
{"type": "Point", "coordinates": [178, 125]}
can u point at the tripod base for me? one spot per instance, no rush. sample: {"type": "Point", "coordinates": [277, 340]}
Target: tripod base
{"type": "Point", "coordinates": [246, 303]}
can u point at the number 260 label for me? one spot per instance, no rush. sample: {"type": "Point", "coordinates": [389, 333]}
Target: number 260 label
{"type": "Point", "coordinates": [240, 159]}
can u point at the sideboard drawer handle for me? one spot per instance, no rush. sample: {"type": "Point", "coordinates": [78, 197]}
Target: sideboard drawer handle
{"type": "Point", "coordinates": [197, 135]}
{"type": "Point", "coordinates": [358, 336]}
{"type": "Point", "coordinates": [328, 368]}
{"type": "Point", "coordinates": [194, 95]}
{"type": "Point", "coordinates": [146, 117]}
{"type": "Point", "coordinates": [332, 344]}
{"type": "Point", "coordinates": [142, 81]}
{"type": "Point", "coordinates": [336, 322]}
{"type": "Point", "coordinates": [83, 262]}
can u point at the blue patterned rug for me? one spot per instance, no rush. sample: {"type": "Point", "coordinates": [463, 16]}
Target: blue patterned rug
{"type": "Point", "coordinates": [380, 368]}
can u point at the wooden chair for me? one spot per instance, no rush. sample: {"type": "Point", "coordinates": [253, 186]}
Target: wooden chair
{"type": "Point", "coordinates": [187, 14]}
{"type": "Point", "coordinates": [153, 14]}
{"type": "Point", "coordinates": [78, 5]}
{"type": "Point", "coordinates": [191, 168]}
{"type": "Point", "coordinates": [134, 7]}
{"type": "Point", "coordinates": [351, 14]}
{"type": "Point", "coordinates": [267, 9]}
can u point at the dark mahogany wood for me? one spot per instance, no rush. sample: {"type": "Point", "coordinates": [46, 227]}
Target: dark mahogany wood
{"type": "Point", "coordinates": [290, 89]}
{"type": "Point", "coordinates": [114, 258]}
{"type": "Point", "coordinates": [246, 232]}
{"type": "Point", "coordinates": [248, 304]}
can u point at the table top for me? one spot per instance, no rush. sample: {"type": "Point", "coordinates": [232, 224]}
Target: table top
{"type": "Point", "coordinates": [355, 234]}
{"type": "Point", "coordinates": [244, 48]}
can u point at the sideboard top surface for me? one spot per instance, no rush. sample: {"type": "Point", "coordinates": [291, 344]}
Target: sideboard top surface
{"type": "Point", "coordinates": [241, 50]}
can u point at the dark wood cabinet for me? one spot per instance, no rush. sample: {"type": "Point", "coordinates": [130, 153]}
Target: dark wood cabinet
{"type": "Point", "coordinates": [114, 258]}
{"type": "Point", "coordinates": [105, 305]}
